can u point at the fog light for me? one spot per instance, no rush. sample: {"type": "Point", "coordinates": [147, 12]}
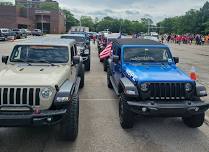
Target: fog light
{"type": "Point", "coordinates": [196, 109]}
{"type": "Point", "coordinates": [130, 92]}
{"type": "Point", "coordinates": [144, 109]}
{"type": "Point", "coordinates": [49, 119]}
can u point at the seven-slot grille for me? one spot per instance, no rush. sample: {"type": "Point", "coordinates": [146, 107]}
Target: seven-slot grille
{"type": "Point", "coordinates": [167, 91]}
{"type": "Point", "coordinates": [19, 96]}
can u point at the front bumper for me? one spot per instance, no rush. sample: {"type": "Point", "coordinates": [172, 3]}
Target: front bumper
{"type": "Point", "coordinates": [47, 117]}
{"type": "Point", "coordinates": [85, 57]}
{"type": "Point", "coordinates": [168, 108]}
{"type": "Point", "coordinates": [2, 37]}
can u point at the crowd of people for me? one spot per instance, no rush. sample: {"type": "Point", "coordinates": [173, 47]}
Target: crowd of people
{"type": "Point", "coordinates": [185, 39]}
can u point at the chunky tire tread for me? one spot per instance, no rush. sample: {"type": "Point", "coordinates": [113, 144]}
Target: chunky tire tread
{"type": "Point", "coordinates": [69, 125]}
{"type": "Point", "coordinates": [194, 121]}
{"type": "Point", "coordinates": [81, 74]}
{"type": "Point", "coordinates": [109, 83]}
{"type": "Point", "coordinates": [88, 64]}
{"type": "Point", "coordinates": [126, 116]}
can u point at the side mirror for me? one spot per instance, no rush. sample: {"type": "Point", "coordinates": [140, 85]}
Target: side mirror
{"type": "Point", "coordinates": [176, 60]}
{"type": "Point", "coordinates": [116, 59]}
{"type": "Point", "coordinates": [76, 60]}
{"type": "Point", "coordinates": [5, 59]}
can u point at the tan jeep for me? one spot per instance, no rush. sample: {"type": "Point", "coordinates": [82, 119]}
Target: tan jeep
{"type": "Point", "coordinates": [39, 85]}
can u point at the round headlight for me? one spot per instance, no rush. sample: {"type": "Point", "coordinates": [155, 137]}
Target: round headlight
{"type": "Point", "coordinates": [188, 87]}
{"type": "Point", "coordinates": [81, 48]}
{"type": "Point", "coordinates": [46, 93]}
{"type": "Point", "coordinates": [144, 87]}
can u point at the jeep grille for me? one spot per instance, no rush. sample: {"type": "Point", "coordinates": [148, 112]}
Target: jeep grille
{"type": "Point", "coordinates": [167, 91]}
{"type": "Point", "coordinates": [19, 96]}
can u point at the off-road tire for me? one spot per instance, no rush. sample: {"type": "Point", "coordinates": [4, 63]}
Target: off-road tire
{"type": "Point", "coordinates": [194, 121]}
{"type": "Point", "coordinates": [126, 116]}
{"type": "Point", "coordinates": [109, 83]}
{"type": "Point", "coordinates": [69, 124]}
{"type": "Point", "coordinates": [88, 64]}
{"type": "Point", "coordinates": [81, 74]}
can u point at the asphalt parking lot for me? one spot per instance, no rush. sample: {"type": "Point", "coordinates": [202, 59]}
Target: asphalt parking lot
{"type": "Point", "coordinates": [99, 128]}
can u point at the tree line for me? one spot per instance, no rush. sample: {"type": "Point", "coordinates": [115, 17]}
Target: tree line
{"type": "Point", "coordinates": [194, 21]}
{"type": "Point", "coordinates": [112, 24]}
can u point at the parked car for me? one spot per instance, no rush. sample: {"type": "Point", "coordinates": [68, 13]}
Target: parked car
{"type": "Point", "coordinates": [28, 31]}
{"type": "Point", "coordinates": [104, 56]}
{"type": "Point", "coordinates": [82, 48]}
{"type": "Point", "coordinates": [4, 34]}
{"type": "Point", "coordinates": [37, 32]}
{"type": "Point", "coordinates": [43, 87]}
{"type": "Point", "coordinates": [92, 34]}
{"type": "Point", "coordinates": [84, 33]}
{"type": "Point", "coordinates": [20, 33]}
{"type": "Point", "coordinates": [145, 76]}
{"type": "Point", "coordinates": [12, 35]}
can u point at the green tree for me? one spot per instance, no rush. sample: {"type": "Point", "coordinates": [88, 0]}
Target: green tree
{"type": "Point", "coordinates": [87, 21]}
{"type": "Point", "coordinates": [206, 27]}
{"type": "Point", "coordinates": [6, 4]}
{"type": "Point", "coordinates": [194, 21]}
{"type": "Point", "coordinates": [48, 6]}
{"type": "Point", "coordinates": [70, 20]}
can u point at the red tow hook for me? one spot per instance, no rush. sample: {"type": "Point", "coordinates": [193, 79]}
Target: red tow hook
{"type": "Point", "coordinates": [37, 110]}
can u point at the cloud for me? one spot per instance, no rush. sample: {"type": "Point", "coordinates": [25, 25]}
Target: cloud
{"type": "Point", "coordinates": [130, 9]}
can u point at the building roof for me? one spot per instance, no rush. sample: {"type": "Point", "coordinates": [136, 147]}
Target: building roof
{"type": "Point", "coordinates": [48, 41]}
{"type": "Point", "coordinates": [113, 36]}
{"type": "Point", "coordinates": [130, 41]}
{"type": "Point", "coordinates": [75, 35]}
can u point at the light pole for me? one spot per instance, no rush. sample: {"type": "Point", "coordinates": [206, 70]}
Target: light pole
{"type": "Point", "coordinates": [42, 23]}
{"type": "Point", "coordinates": [148, 29]}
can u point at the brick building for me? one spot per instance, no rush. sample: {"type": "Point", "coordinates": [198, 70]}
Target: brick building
{"type": "Point", "coordinates": [31, 17]}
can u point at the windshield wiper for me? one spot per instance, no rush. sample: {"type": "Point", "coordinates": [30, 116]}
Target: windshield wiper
{"type": "Point", "coordinates": [24, 61]}
{"type": "Point", "coordinates": [41, 61]}
{"type": "Point", "coordinates": [45, 61]}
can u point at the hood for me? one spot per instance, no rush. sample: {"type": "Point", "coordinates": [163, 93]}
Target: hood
{"type": "Point", "coordinates": [155, 73]}
{"type": "Point", "coordinates": [24, 75]}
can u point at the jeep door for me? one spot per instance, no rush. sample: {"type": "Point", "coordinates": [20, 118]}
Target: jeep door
{"type": "Point", "coordinates": [116, 67]}
{"type": "Point", "coordinates": [73, 72]}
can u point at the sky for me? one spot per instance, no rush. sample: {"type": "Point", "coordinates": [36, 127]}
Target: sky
{"type": "Point", "coordinates": [157, 10]}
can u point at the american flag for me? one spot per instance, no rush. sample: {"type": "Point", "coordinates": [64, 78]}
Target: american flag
{"type": "Point", "coordinates": [106, 52]}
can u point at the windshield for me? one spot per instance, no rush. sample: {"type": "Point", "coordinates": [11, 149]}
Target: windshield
{"type": "Point", "coordinates": [78, 39]}
{"type": "Point", "coordinates": [146, 55]}
{"type": "Point", "coordinates": [40, 54]}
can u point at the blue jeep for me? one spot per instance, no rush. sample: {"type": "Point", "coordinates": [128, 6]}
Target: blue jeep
{"type": "Point", "coordinates": [145, 76]}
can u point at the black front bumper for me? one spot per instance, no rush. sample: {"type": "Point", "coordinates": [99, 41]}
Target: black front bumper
{"type": "Point", "coordinates": [85, 58]}
{"type": "Point", "coordinates": [47, 117]}
{"type": "Point", "coordinates": [169, 109]}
